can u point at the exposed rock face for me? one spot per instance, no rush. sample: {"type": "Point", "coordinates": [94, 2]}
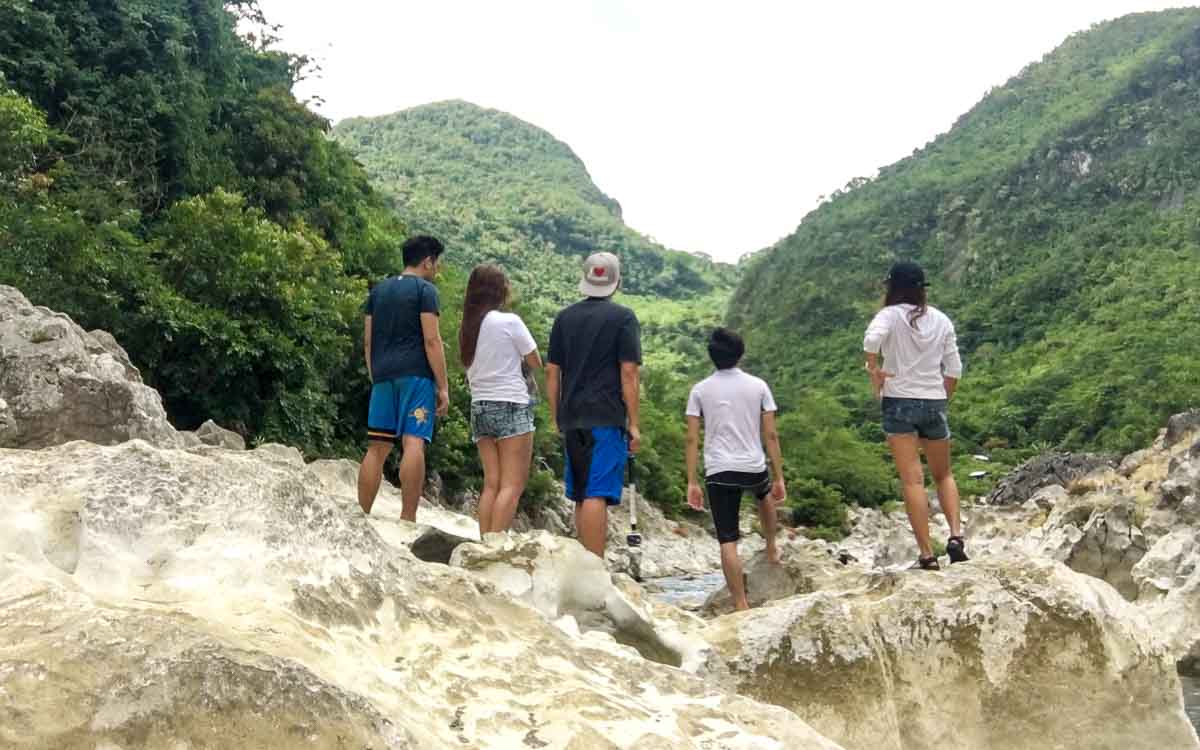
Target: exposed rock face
{"type": "Point", "coordinates": [1098, 536]}
{"type": "Point", "coordinates": [59, 383]}
{"type": "Point", "coordinates": [167, 598]}
{"type": "Point", "coordinates": [561, 579]}
{"type": "Point", "coordinates": [1043, 471]}
{"type": "Point", "coordinates": [1009, 652]}
{"type": "Point", "coordinates": [882, 540]}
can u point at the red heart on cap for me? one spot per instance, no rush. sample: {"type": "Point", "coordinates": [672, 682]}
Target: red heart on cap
{"type": "Point", "coordinates": [599, 270]}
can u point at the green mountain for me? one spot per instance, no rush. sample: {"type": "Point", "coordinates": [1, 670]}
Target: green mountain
{"type": "Point", "coordinates": [499, 189]}
{"type": "Point", "coordinates": [1060, 221]}
{"type": "Point", "coordinates": [502, 190]}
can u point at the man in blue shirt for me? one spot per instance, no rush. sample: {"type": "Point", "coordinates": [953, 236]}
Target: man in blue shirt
{"type": "Point", "coordinates": [407, 364]}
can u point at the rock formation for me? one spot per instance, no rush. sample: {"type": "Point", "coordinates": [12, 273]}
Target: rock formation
{"type": "Point", "coordinates": [60, 383]}
{"type": "Point", "coordinates": [1014, 651]}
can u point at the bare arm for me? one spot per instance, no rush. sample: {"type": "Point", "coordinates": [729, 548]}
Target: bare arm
{"type": "Point", "coordinates": [435, 350]}
{"type": "Point", "coordinates": [876, 373]}
{"type": "Point", "coordinates": [694, 497]}
{"type": "Point", "coordinates": [533, 360]}
{"type": "Point", "coordinates": [367, 344]}
{"type": "Point", "coordinates": [631, 393]}
{"type": "Point", "coordinates": [951, 386]}
{"type": "Point", "coordinates": [553, 378]}
{"type": "Point", "coordinates": [770, 434]}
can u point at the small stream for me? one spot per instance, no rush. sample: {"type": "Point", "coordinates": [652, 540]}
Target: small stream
{"type": "Point", "coordinates": [685, 592]}
{"type": "Point", "coordinates": [689, 592]}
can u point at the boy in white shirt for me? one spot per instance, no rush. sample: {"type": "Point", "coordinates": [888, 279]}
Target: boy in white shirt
{"type": "Point", "coordinates": [738, 413]}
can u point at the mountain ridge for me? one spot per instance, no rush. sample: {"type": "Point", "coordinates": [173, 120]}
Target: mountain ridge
{"type": "Point", "coordinates": [1056, 220]}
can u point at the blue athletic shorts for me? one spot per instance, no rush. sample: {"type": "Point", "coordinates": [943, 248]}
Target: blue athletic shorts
{"type": "Point", "coordinates": [404, 406]}
{"type": "Point", "coordinates": [599, 454]}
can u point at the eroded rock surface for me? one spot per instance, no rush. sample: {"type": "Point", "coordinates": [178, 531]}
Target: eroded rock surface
{"type": "Point", "coordinates": [168, 598]}
{"type": "Point", "coordinates": [1014, 652]}
{"type": "Point", "coordinates": [59, 383]}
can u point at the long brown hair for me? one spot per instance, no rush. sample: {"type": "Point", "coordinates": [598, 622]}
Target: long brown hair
{"type": "Point", "coordinates": [487, 290]}
{"type": "Point", "coordinates": [907, 295]}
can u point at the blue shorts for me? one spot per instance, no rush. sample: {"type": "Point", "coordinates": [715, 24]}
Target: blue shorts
{"type": "Point", "coordinates": [404, 406]}
{"type": "Point", "coordinates": [925, 417]}
{"type": "Point", "coordinates": [600, 454]}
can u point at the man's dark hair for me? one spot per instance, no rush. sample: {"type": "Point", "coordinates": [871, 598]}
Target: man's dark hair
{"type": "Point", "coordinates": [725, 348]}
{"type": "Point", "coordinates": [417, 249]}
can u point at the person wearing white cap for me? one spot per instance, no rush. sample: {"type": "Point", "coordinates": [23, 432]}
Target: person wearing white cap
{"type": "Point", "coordinates": [592, 383]}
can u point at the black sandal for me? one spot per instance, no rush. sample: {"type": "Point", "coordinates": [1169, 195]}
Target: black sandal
{"type": "Point", "coordinates": [928, 563]}
{"type": "Point", "coordinates": [956, 549]}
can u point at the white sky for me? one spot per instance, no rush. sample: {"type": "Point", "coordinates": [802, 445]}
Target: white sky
{"type": "Point", "coordinates": [715, 124]}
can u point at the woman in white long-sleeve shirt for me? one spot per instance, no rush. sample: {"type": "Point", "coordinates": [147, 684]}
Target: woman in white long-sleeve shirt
{"type": "Point", "coordinates": [915, 382]}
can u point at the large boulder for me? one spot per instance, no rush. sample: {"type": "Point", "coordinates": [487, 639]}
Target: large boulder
{"type": "Point", "coordinates": [1014, 651]}
{"type": "Point", "coordinates": [1098, 535]}
{"type": "Point", "coordinates": [560, 579]}
{"type": "Point", "coordinates": [59, 383]}
{"type": "Point", "coordinates": [168, 598]}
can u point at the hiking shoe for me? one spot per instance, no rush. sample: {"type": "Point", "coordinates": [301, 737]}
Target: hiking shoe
{"type": "Point", "coordinates": [928, 563]}
{"type": "Point", "coordinates": [956, 549]}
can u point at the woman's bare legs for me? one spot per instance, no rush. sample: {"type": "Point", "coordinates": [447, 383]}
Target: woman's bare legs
{"type": "Point", "coordinates": [937, 453]}
{"type": "Point", "coordinates": [489, 457]}
{"type": "Point", "coordinates": [906, 452]}
{"type": "Point", "coordinates": [516, 453]}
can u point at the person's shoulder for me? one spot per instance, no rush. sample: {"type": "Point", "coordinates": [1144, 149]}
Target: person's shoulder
{"type": "Point", "coordinates": [623, 311]}
{"type": "Point", "coordinates": [756, 381]}
{"type": "Point", "coordinates": [937, 314]}
{"type": "Point", "coordinates": [703, 384]}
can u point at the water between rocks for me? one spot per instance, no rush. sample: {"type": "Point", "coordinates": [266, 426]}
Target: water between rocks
{"type": "Point", "coordinates": [1191, 698]}
{"type": "Point", "coordinates": [689, 592]}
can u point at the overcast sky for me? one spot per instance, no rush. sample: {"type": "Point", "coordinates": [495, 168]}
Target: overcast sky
{"type": "Point", "coordinates": [716, 124]}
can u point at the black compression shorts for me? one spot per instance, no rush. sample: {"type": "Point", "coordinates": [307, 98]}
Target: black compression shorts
{"type": "Point", "coordinates": [725, 490]}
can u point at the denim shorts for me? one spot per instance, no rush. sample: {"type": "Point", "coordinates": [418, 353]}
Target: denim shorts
{"type": "Point", "coordinates": [500, 419]}
{"type": "Point", "coordinates": [926, 417]}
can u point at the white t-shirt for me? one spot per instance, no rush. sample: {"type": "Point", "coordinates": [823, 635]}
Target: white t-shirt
{"type": "Point", "coordinates": [495, 374]}
{"type": "Point", "coordinates": [917, 356]}
{"type": "Point", "coordinates": [732, 404]}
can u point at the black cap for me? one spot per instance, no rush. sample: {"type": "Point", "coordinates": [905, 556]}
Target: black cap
{"type": "Point", "coordinates": [906, 275]}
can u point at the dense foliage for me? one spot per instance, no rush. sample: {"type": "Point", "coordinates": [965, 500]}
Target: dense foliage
{"type": "Point", "coordinates": [1060, 220]}
{"type": "Point", "coordinates": [158, 180]}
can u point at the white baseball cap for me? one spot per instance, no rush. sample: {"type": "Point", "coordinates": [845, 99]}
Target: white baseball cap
{"type": "Point", "coordinates": [601, 275]}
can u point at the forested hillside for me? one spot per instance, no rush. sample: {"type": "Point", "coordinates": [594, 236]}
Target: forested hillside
{"type": "Point", "coordinates": [503, 190]}
{"type": "Point", "coordinates": [1060, 221]}
{"type": "Point", "coordinates": [159, 180]}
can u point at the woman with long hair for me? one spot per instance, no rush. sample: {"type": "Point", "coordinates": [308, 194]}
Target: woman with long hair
{"type": "Point", "coordinates": [494, 345]}
{"type": "Point", "coordinates": [915, 382]}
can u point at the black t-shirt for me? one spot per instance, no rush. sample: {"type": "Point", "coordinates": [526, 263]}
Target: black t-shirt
{"type": "Point", "coordinates": [589, 341]}
{"type": "Point", "coordinates": [397, 341]}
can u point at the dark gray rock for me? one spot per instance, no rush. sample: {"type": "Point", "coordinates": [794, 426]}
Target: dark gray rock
{"type": "Point", "coordinates": [1047, 470]}
{"type": "Point", "coordinates": [435, 545]}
